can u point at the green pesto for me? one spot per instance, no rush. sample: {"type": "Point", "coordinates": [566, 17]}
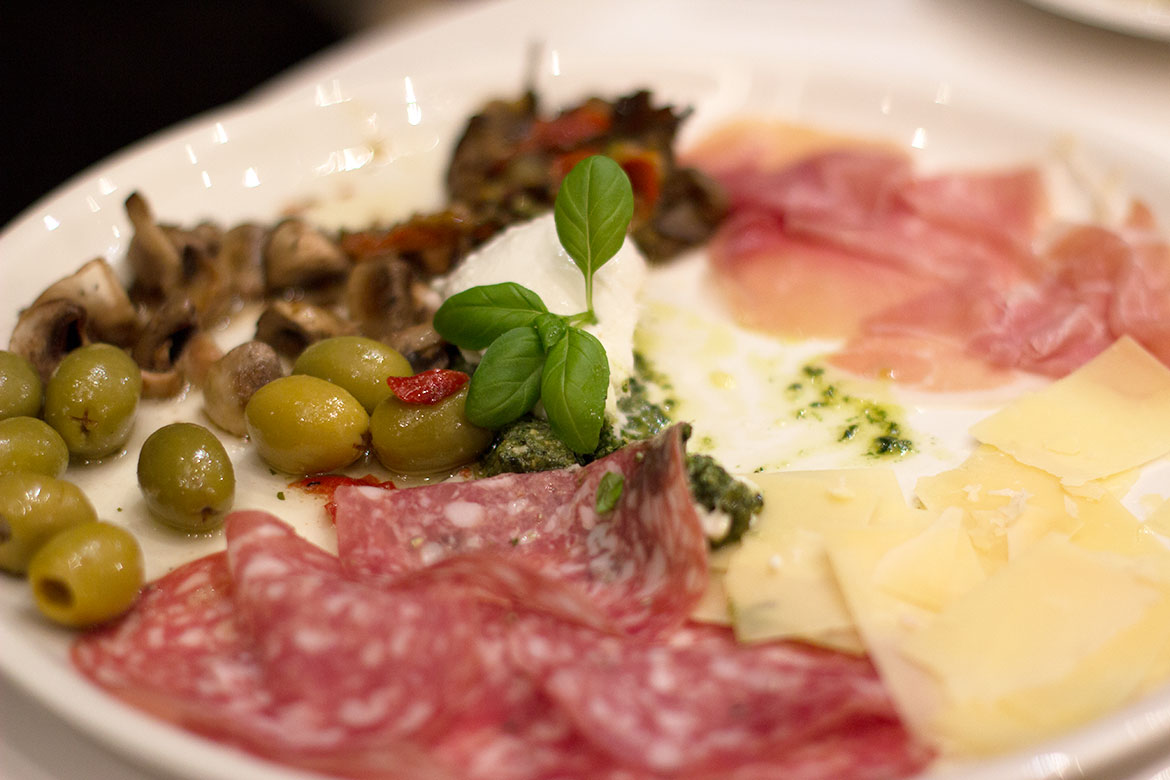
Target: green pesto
{"type": "Point", "coordinates": [864, 420]}
{"type": "Point", "coordinates": [528, 445]}
{"type": "Point", "coordinates": [643, 417]}
{"type": "Point", "coordinates": [714, 489]}
{"type": "Point", "coordinates": [524, 446]}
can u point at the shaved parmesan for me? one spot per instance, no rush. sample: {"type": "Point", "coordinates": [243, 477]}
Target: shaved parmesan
{"type": "Point", "coordinates": [1110, 415]}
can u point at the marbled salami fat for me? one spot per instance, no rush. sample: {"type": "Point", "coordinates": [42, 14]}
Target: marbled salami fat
{"type": "Point", "coordinates": [643, 561]}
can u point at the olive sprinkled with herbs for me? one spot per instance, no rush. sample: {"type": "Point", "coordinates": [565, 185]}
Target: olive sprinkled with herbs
{"type": "Point", "coordinates": [21, 390]}
{"type": "Point", "coordinates": [357, 363]}
{"type": "Point", "coordinates": [30, 444]}
{"type": "Point", "coordinates": [86, 575]}
{"type": "Point", "coordinates": [92, 399]}
{"type": "Point", "coordinates": [302, 424]}
{"type": "Point", "coordinates": [33, 508]}
{"type": "Point", "coordinates": [186, 477]}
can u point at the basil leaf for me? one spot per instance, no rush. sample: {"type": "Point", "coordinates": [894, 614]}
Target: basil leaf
{"type": "Point", "coordinates": [573, 389]}
{"type": "Point", "coordinates": [476, 317]}
{"type": "Point", "coordinates": [609, 491]}
{"type": "Point", "coordinates": [592, 212]}
{"type": "Point", "coordinates": [507, 383]}
{"type": "Point", "coordinates": [552, 328]}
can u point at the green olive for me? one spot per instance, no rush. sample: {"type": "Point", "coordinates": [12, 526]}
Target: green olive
{"type": "Point", "coordinates": [92, 398]}
{"type": "Point", "coordinates": [87, 574]}
{"type": "Point", "coordinates": [358, 364]}
{"type": "Point", "coordinates": [29, 444]}
{"type": "Point", "coordinates": [424, 439]}
{"type": "Point", "coordinates": [304, 425]}
{"type": "Point", "coordinates": [186, 477]}
{"type": "Point", "coordinates": [21, 391]}
{"type": "Point", "coordinates": [34, 507]}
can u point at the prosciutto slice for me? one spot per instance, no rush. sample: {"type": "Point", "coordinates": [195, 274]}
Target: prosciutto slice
{"type": "Point", "coordinates": [938, 282]}
{"type": "Point", "coordinates": [643, 563]}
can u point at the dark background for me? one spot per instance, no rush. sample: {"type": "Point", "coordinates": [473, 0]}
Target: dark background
{"type": "Point", "coordinates": [82, 80]}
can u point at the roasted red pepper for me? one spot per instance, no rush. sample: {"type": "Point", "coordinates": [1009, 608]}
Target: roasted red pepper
{"type": "Point", "coordinates": [429, 387]}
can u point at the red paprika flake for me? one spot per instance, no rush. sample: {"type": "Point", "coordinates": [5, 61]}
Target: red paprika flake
{"type": "Point", "coordinates": [429, 387]}
{"type": "Point", "coordinates": [327, 484]}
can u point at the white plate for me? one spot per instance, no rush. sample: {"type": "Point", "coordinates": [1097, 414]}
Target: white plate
{"type": "Point", "coordinates": [1146, 18]}
{"type": "Point", "coordinates": [252, 162]}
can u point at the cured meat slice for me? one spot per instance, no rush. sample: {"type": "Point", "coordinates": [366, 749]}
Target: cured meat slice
{"type": "Point", "coordinates": [508, 583]}
{"type": "Point", "coordinates": [182, 655]}
{"type": "Point", "coordinates": [703, 705]}
{"type": "Point", "coordinates": [815, 290]}
{"type": "Point", "coordinates": [936, 282]}
{"type": "Point", "coordinates": [180, 643]}
{"type": "Point", "coordinates": [1003, 206]}
{"type": "Point", "coordinates": [643, 563]}
{"type": "Point", "coordinates": [356, 661]}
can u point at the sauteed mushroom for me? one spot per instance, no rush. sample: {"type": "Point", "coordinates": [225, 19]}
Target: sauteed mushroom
{"type": "Point", "coordinates": [162, 343]}
{"type": "Point", "coordinates": [110, 316]}
{"type": "Point", "coordinates": [168, 261]}
{"type": "Point", "coordinates": [242, 253]}
{"type": "Point", "coordinates": [380, 298]}
{"type": "Point", "coordinates": [200, 354]}
{"type": "Point", "coordinates": [422, 346]}
{"type": "Point", "coordinates": [156, 262]}
{"type": "Point", "coordinates": [46, 331]}
{"type": "Point", "coordinates": [232, 379]}
{"type": "Point", "coordinates": [290, 326]}
{"type": "Point", "coordinates": [299, 257]}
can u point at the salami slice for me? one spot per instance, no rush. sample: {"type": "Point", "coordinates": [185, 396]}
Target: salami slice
{"type": "Point", "coordinates": [643, 561]}
{"type": "Point", "coordinates": [488, 663]}
{"type": "Point", "coordinates": [507, 583]}
{"type": "Point", "coordinates": [180, 642]}
{"type": "Point", "coordinates": [356, 660]}
{"type": "Point", "coordinates": [702, 703]}
{"type": "Point", "coordinates": [182, 655]}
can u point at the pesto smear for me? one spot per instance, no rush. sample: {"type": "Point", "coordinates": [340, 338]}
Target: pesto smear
{"type": "Point", "coordinates": [856, 418]}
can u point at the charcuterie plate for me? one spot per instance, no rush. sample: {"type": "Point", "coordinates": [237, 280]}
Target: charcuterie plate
{"type": "Point", "coordinates": [355, 151]}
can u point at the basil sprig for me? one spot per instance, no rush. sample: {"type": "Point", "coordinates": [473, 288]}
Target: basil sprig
{"type": "Point", "coordinates": [592, 212]}
{"type": "Point", "coordinates": [573, 388]}
{"type": "Point", "coordinates": [476, 317]}
{"type": "Point", "coordinates": [532, 355]}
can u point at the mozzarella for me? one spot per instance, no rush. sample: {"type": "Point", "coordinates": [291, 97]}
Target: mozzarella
{"type": "Point", "coordinates": [530, 254]}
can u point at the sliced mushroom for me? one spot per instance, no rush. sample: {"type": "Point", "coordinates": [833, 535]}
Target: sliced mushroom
{"type": "Point", "coordinates": [242, 253]}
{"type": "Point", "coordinates": [155, 260]}
{"type": "Point", "coordinates": [301, 258]}
{"type": "Point", "coordinates": [290, 326]}
{"type": "Point", "coordinates": [169, 260]}
{"type": "Point", "coordinates": [421, 345]}
{"type": "Point", "coordinates": [110, 317]}
{"type": "Point", "coordinates": [206, 279]}
{"type": "Point", "coordinates": [162, 343]}
{"type": "Point", "coordinates": [46, 331]}
{"type": "Point", "coordinates": [232, 379]}
{"type": "Point", "coordinates": [198, 357]}
{"type": "Point", "coordinates": [379, 296]}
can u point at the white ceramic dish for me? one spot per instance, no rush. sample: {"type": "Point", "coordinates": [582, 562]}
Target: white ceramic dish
{"type": "Point", "coordinates": [388, 141]}
{"type": "Point", "coordinates": [1145, 18]}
